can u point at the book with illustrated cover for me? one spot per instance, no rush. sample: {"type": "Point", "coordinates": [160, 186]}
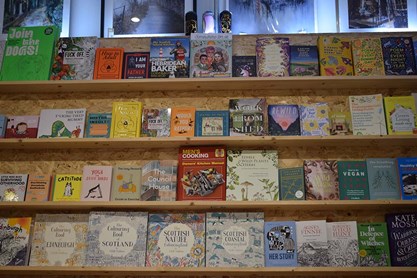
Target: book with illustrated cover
{"type": "Point", "coordinates": [383, 180]}
{"type": "Point", "coordinates": [135, 65]}
{"type": "Point", "coordinates": [335, 56]}
{"type": "Point", "coordinates": [212, 123]}
{"type": "Point", "coordinates": [156, 122]}
{"type": "Point", "coordinates": [321, 180]}
{"type": "Point", "coordinates": [14, 238]}
{"type": "Point", "coordinates": [280, 243]}
{"type": "Point", "coordinates": [244, 66]}
{"type": "Point", "coordinates": [98, 125]}
{"type": "Point", "coordinates": [62, 123]}
{"type": "Point", "coordinates": [13, 187]}
{"type": "Point", "coordinates": [66, 187]}
{"type": "Point", "coordinates": [272, 56]}
{"type": "Point", "coordinates": [368, 117]}
{"type": "Point", "coordinates": [182, 121]}
{"type": "Point", "coordinates": [401, 115]}
{"type": "Point", "coordinates": [304, 60]}
{"type": "Point", "coordinates": [38, 188]}
{"type": "Point", "coordinates": [373, 244]}
{"type": "Point", "coordinates": [367, 57]}
{"type": "Point", "coordinates": [353, 180]}
{"type": "Point", "coordinates": [127, 183]}
{"type": "Point", "coordinates": [3, 126]}
{"type": "Point", "coordinates": [22, 126]}
{"type": "Point", "coordinates": [398, 54]}
{"type": "Point", "coordinates": [159, 180]}
{"type": "Point", "coordinates": [340, 123]}
{"type": "Point", "coordinates": [312, 246]}
{"type": "Point", "coordinates": [283, 120]}
{"type": "Point", "coordinates": [291, 183]}
{"type": "Point", "coordinates": [108, 63]}
{"type": "Point", "coordinates": [126, 120]}
{"type": "Point", "coordinates": [407, 173]}
{"type": "Point", "coordinates": [342, 238]}
{"type": "Point", "coordinates": [314, 119]}
{"type": "Point", "coordinates": [169, 57]}
{"type": "Point", "coordinates": [96, 181]}
{"type": "Point", "coordinates": [248, 116]}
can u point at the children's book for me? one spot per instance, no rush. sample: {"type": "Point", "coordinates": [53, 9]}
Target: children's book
{"type": "Point", "coordinates": [398, 54]}
{"type": "Point", "coordinates": [373, 244]}
{"type": "Point", "coordinates": [156, 122]}
{"type": "Point", "coordinates": [159, 180]}
{"type": "Point", "coordinates": [248, 116]}
{"type": "Point", "coordinates": [321, 180]}
{"type": "Point", "coordinates": [13, 187]}
{"type": "Point", "coordinates": [383, 180]}
{"type": "Point", "coordinates": [335, 56]}
{"type": "Point", "coordinates": [235, 239]}
{"type": "Point", "coordinates": [353, 180]}
{"type": "Point", "coordinates": [280, 243]}
{"type": "Point", "coordinates": [401, 115]}
{"type": "Point", "coordinates": [342, 238]}
{"type": "Point", "coordinates": [169, 57]}
{"type": "Point", "coordinates": [283, 120]}
{"type": "Point", "coordinates": [38, 188]}
{"type": "Point", "coordinates": [98, 125]}
{"type": "Point", "coordinates": [340, 123]}
{"type": "Point", "coordinates": [14, 236]}
{"type": "Point", "coordinates": [304, 60]}
{"type": "Point", "coordinates": [312, 246]}
{"type": "Point", "coordinates": [62, 123]}
{"type": "Point", "coordinates": [135, 65]}
{"type": "Point", "coordinates": [273, 56]}
{"type": "Point", "coordinates": [314, 119]}
{"type": "Point", "coordinates": [291, 183]}
{"type": "Point", "coordinates": [126, 119]}
{"type": "Point", "coordinates": [22, 126]}
{"type": "Point", "coordinates": [96, 183]}
{"type": "Point", "coordinates": [244, 66]}
{"type": "Point", "coordinates": [212, 123]}
{"type": "Point", "coordinates": [367, 112]}
{"type": "Point", "coordinates": [66, 187]}
{"type": "Point", "coordinates": [182, 121]}
{"type": "Point", "coordinates": [407, 172]}
{"type": "Point", "coordinates": [367, 57]}
{"type": "Point", "coordinates": [127, 183]}
{"type": "Point", "coordinates": [3, 126]}
{"type": "Point", "coordinates": [108, 63]}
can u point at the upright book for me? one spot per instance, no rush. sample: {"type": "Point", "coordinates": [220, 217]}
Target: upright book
{"type": "Point", "coordinates": [212, 123]}
{"type": "Point", "coordinates": [156, 122]}
{"type": "Point", "coordinates": [182, 121]}
{"type": "Point", "coordinates": [127, 183]}
{"type": "Point", "coordinates": [367, 113]}
{"type": "Point", "coordinates": [312, 246]}
{"type": "Point", "coordinates": [135, 65]}
{"type": "Point", "coordinates": [342, 238]}
{"type": "Point", "coordinates": [14, 236]}
{"type": "Point", "coordinates": [321, 180]}
{"type": "Point", "coordinates": [353, 180]}
{"type": "Point", "coordinates": [22, 126]}
{"type": "Point", "coordinates": [280, 243]}
{"type": "Point", "coordinates": [244, 66]}
{"type": "Point", "coordinates": [407, 172]}
{"type": "Point", "coordinates": [291, 183]}
{"type": "Point", "coordinates": [3, 126]}
{"type": "Point", "coordinates": [66, 187]}
{"type": "Point", "coordinates": [13, 187]}
{"type": "Point", "coordinates": [159, 180]}
{"type": "Point", "coordinates": [398, 54]}
{"type": "Point", "coordinates": [367, 57]}
{"type": "Point", "coordinates": [248, 116]}
{"type": "Point", "coordinates": [304, 60]}
{"type": "Point", "coordinates": [38, 188]}
{"type": "Point", "coordinates": [273, 56]}
{"type": "Point", "coordinates": [283, 120]}
{"type": "Point", "coordinates": [373, 244]}
{"type": "Point", "coordinates": [383, 180]}
{"type": "Point", "coordinates": [401, 115]}
{"type": "Point", "coordinates": [62, 123]}
{"type": "Point", "coordinates": [108, 63]}
{"type": "Point", "coordinates": [98, 125]}
{"type": "Point", "coordinates": [126, 119]}
{"type": "Point", "coordinates": [96, 183]}
{"type": "Point", "coordinates": [335, 56]}
{"type": "Point", "coordinates": [169, 57]}
{"type": "Point", "coordinates": [314, 119]}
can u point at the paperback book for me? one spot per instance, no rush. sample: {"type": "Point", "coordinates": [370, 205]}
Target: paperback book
{"type": "Point", "coordinates": [156, 122]}
{"type": "Point", "coordinates": [66, 187]}
{"type": "Point", "coordinates": [38, 188]}
{"type": "Point", "coordinates": [169, 57]}
{"type": "Point", "coordinates": [22, 126]}
{"type": "Point", "coordinates": [340, 123]}
{"type": "Point", "coordinates": [126, 120]}
{"type": "Point", "coordinates": [14, 237]}
{"type": "Point", "coordinates": [283, 120]}
{"type": "Point", "coordinates": [367, 112]}
{"type": "Point", "coordinates": [212, 123]}
{"type": "Point", "coordinates": [383, 180]}
{"type": "Point", "coordinates": [159, 180]}
{"type": "Point", "coordinates": [98, 125]}
{"type": "Point", "coordinates": [127, 183]}
{"type": "Point", "coordinates": [373, 244]}
{"type": "Point", "coordinates": [398, 54]}
{"type": "Point", "coordinates": [407, 172]}
{"type": "Point", "coordinates": [108, 63]}
{"type": "Point", "coordinates": [62, 123]}
{"type": "Point", "coordinates": [13, 187]}
{"type": "Point", "coordinates": [304, 60]}
{"type": "Point", "coordinates": [280, 243]}
{"type": "Point", "coordinates": [314, 119]}
{"type": "Point", "coordinates": [321, 180]}
{"type": "Point", "coordinates": [272, 56]}
{"type": "Point", "coordinates": [96, 183]}
{"type": "Point", "coordinates": [353, 180]}
{"type": "Point", "coordinates": [244, 66]}
{"type": "Point", "coordinates": [312, 246]}
{"type": "Point", "coordinates": [291, 183]}
{"type": "Point", "coordinates": [335, 56]}
{"type": "Point", "coordinates": [248, 116]}
{"type": "Point", "coordinates": [401, 115]}
{"type": "Point", "coordinates": [3, 126]}
{"type": "Point", "coordinates": [182, 121]}
{"type": "Point", "coordinates": [342, 238]}
{"type": "Point", "coordinates": [136, 65]}
{"type": "Point", "coordinates": [367, 57]}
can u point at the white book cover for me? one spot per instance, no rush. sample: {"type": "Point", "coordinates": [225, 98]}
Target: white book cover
{"type": "Point", "coordinates": [127, 183]}
{"type": "Point", "coordinates": [62, 123]}
{"type": "Point", "coordinates": [14, 241]}
{"type": "Point", "coordinates": [97, 182]}
{"type": "Point", "coordinates": [13, 187]}
{"type": "Point", "coordinates": [312, 246]}
{"type": "Point", "coordinates": [342, 238]}
{"type": "Point", "coordinates": [368, 117]}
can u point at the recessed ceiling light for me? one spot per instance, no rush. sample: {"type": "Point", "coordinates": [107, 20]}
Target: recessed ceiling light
{"type": "Point", "coordinates": [135, 19]}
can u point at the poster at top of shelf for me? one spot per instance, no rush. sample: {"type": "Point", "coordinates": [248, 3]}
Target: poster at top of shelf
{"type": "Point", "coordinates": [398, 54]}
{"type": "Point", "coordinates": [312, 245]}
{"type": "Point", "coordinates": [373, 244]}
{"type": "Point", "coordinates": [407, 172]}
{"type": "Point", "coordinates": [401, 115]}
{"type": "Point", "coordinates": [342, 238]}
{"type": "Point", "coordinates": [62, 123]}
{"type": "Point", "coordinates": [13, 187]}
{"type": "Point", "coordinates": [321, 180]}
{"type": "Point", "coordinates": [335, 56]}
{"type": "Point", "coordinates": [280, 243]}
{"type": "Point", "coordinates": [14, 235]}
{"type": "Point", "coordinates": [273, 56]}
{"type": "Point", "coordinates": [97, 181]}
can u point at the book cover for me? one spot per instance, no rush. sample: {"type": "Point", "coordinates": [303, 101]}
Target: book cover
{"type": "Point", "coordinates": [13, 187]}
{"type": "Point", "coordinates": [38, 188]}
{"type": "Point", "coordinates": [312, 246]}
{"type": "Point", "coordinates": [211, 55]}
{"type": "Point", "coordinates": [283, 120]}
{"type": "Point", "coordinates": [304, 60]}
{"type": "Point", "coordinates": [402, 230]}
{"type": "Point", "coordinates": [248, 116]}
{"type": "Point", "coordinates": [127, 183]}
{"type": "Point", "coordinates": [14, 238]}
{"type": "Point", "coordinates": [135, 65]}
{"type": "Point", "coordinates": [368, 116]}
{"type": "Point", "coordinates": [335, 56]}
{"type": "Point", "coordinates": [156, 122]}
{"type": "Point", "coordinates": [314, 119]}
{"type": "Point", "coordinates": [98, 125]}
{"type": "Point", "coordinates": [3, 126]}
{"type": "Point", "coordinates": [96, 183]}
{"type": "Point", "coordinates": [353, 180]}
{"type": "Point", "coordinates": [401, 115]}
{"type": "Point", "coordinates": [280, 243]}
{"type": "Point", "coordinates": [176, 240]}
{"type": "Point", "coordinates": [74, 58]}
{"type": "Point", "coordinates": [126, 120]}
{"type": "Point", "coordinates": [28, 53]}
{"type": "Point", "coordinates": [291, 183]}
{"type": "Point", "coordinates": [252, 175]}
{"type": "Point", "coordinates": [169, 57]}
{"type": "Point", "coordinates": [108, 63]}
{"type": "Point", "coordinates": [22, 126]}
{"type": "Point", "coordinates": [340, 123]}
{"type": "Point", "coordinates": [2, 47]}
{"type": "Point", "coordinates": [373, 244]}
{"type": "Point", "coordinates": [321, 180]}
{"type": "Point", "coordinates": [407, 172]}
{"type": "Point", "coordinates": [182, 121]}
{"type": "Point", "coordinates": [244, 66]}
{"type": "Point", "coordinates": [383, 180]}
{"type": "Point", "coordinates": [272, 56]}
{"type": "Point", "coordinates": [235, 239]}
{"type": "Point", "coordinates": [342, 238]}
{"type": "Point", "coordinates": [212, 123]}
{"type": "Point", "coordinates": [367, 57]}
{"type": "Point", "coordinates": [66, 187]}
{"type": "Point", "coordinates": [59, 240]}
{"type": "Point", "coordinates": [117, 238]}
{"type": "Point", "coordinates": [61, 123]}
{"type": "Point", "coordinates": [201, 173]}
{"type": "Point", "coordinates": [398, 54]}
{"type": "Point", "coordinates": [159, 180]}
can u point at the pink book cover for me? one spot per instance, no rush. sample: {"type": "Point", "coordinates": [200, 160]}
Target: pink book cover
{"type": "Point", "coordinates": [96, 183]}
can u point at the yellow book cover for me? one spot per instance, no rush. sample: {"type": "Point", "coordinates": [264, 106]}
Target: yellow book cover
{"type": "Point", "coordinates": [335, 56]}
{"type": "Point", "coordinates": [126, 119]}
{"type": "Point", "coordinates": [367, 57]}
{"type": "Point", "coordinates": [401, 115]}
{"type": "Point", "coordinates": [182, 121]}
{"type": "Point", "coordinates": [67, 187]}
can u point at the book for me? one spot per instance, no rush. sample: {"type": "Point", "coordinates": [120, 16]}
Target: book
{"type": "Point", "coordinates": [340, 123]}
{"type": "Point", "coordinates": [66, 187]}
{"type": "Point", "coordinates": [312, 246]}
{"type": "Point", "coordinates": [28, 53]}
{"type": "Point", "coordinates": [283, 120]}
{"type": "Point", "coordinates": [402, 228]}
{"type": "Point", "coordinates": [182, 121]}
{"type": "Point", "coordinates": [407, 172]}
{"type": "Point", "coordinates": [234, 239]}
{"type": "Point", "coordinates": [98, 125]}
{"type": "Point", "coordinates": [314, 119]}
{"type": "Point", "coordinates": [117, 238]}
{"type": "Point", "coordinates": [61, 123]}
{"type": "Point", "coordinates": [353, 180]}
{"type": "Point", "coordinates": [2, 47]}
{"type": "Point", "coordinates": [74, 58]}
{"type": "Point", "coordinates": [59, 240]}
{"type": "Point", "coordinates": [373, 244]}
{"type": "Point", "coordinates": [14, 236]}
{"type": "Point", "coordinates": [212, 123]}
{"type": "Point", "coordinates": [126, 120]}
{"type": "Point", "coordinates": [38, 188]}
{"type": "Point", "coordinates": [159, 180]}
{"type": "Point", "coordinates": [335, 56]}
{"type": "Point", "coordinates": [291, 183]}
{"type": "Point", "coordinates": [244, 66]}
{"type": "Point", "coordinates": [211, 55]}
{"type": "Point", "coordinates": [383, 180]}
{"type": "Point", "coordinates": [22, 126]}
{"type": "Point", "coordinates": [201, 173]}
{"type": "Point", "coordinates": [367, 112]}
{"type": "Point", "coordinates": [127, 183]}
{"type": "Point", "coordinates": [108, 63]}
{"type": "Point", "coordinates": [401, 115]}
{"type": "Point", "coordinates": [321, 180]}
{"type": "Point", "coordinates": [304, 60]}
{"type": "Point", "coordinates": [96, 183]}
{"type": "Point", "coordinates": [398, 54]}
{"type": "Point", "coordinates": [13, 187]}
{"type": "Point", "coordinates": [248, 116]}
{"type": "Point", "coordinates": [280, 243]}
{"type": "Point", "coordinates": [342, 238]}
{"type": "Point", "coordinates": [156, 122]}
{"type": "Point", "coordinates": [169, 57]}
{"type": "Point", "coordinates": [252, 175]}
{"type": "Point", "coordinates": [3, 126]}
{"type": "Point", "coordinates": [367, 57]}
{"type": "Point", "coordinates": [136, 65]}
{"type": "Point", "coordinates": [272, 56]}
{"type": "Point", "coordinates": [176, 240]}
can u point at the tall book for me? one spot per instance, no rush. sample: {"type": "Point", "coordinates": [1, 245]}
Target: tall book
{"type": "Point", "coordinates": [38, 188]}
{"type": "Point", "coordinates": [14, 236]}
{"type": "Point", "coordinates": [127, 183]}
{"type": "Point", "coordinates": [321, 180]}
{"type": "Point", "coordinates": [314, 119]}
{"type": "Point", "coordinates": [342, 238]}
{"type": "Point", "coordinates": [96, 183]}
{"type": "Point", "coordinates": [98, 125]}
{"type": "Point", "coordinates": [169, 57]}
{"type": "Point", "coordinates": [273, 56]}
{"type": "Point", "coordinates": [335, 56]}
{"type": "Point", "coordinates": [159, 180]}
{"type": "Point", "coordinates": [383, 180]}
{"type": "Point", "coordinates": [182, 121]}
{"type": "Point", "coordinates": [283, 120]}
{"type": "Point", "coordinates": [291, 183]}
{"type": "Point", "coordinates": [66, 187]}
{"type": "Point", "coordinates": [244, 66]}
{"type": "Point", "coordinates": [367, 57]}
{"type": "Point", "coordinates": [407, 172]}
{"type": "Point", "coordinates": [62, 123]}
{"type": "Point", "coordinates": [398, 54]}
{"type": "Point", "coordinates": [248, 116]}
{"type": "Point", "coordinates": [135, 65]}
{"type": "Point", "coordinates": [304, 60]}
{"type": "Point", "coordinates": [353, 180]}
{"type": "Point", "coordinates": [13, 187]}
{"type": "Point", "coordinates": [367, 112]}
{"type": "Point", "coordinates": [22, 126]}
{"type": "Point", "coordinates": [280, 243]}
{"type": "Point", "coordinates": [235, 239]}
{"type": "Point", "coordinates": [373, 244]}
{"type": "Point", "coordinates": [312, 246]}
{"type": "Point", "coordinates": [401, 115]}
{"type": "Point", "coordinates": [212, 123]}
{"type": "Point", "coordinates": [126, 119]}
{"type": "Point", "coordinates": [156, 122]}
{"type": "Point", "coordinates": [108, 63]}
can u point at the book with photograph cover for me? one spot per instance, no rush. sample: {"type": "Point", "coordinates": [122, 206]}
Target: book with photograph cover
{"type": "Point", "coordinates": [304, 60]}
{"type": "Point", "coordinates": [407, 173]}
{"type": "Point", "coordinates": [169, 57]}
{"type": "Point", "coordinates": [159, 180]}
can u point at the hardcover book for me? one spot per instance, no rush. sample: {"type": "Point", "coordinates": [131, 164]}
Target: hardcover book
{"type": "Point", "coordinates": [212, 123]}
{"type": "Point", "coordinates": [3, 126]}
{"type": "Point", "coordinates": [156, 122]}
{"type": "Point", "coordinates": [38, 188]}
{"type": "Point", "coordinates": [62, 123]}
{"type": "Point", "coordinates": [135, 65]}
{"type": "Point", "coordinates": [201, 173]}
{"type": "Point", "coordinates": [169, 57]}
{"type": "Point", "coordinates": [244, 66]}
{"type": "Point", "coordinates": [66, 187]}
{"type": "Point", "coordinates": [367, 112]}
{"type": "Point", "coordinates": [108, 63]}
{"type": "Point", "coordinates": [304, 60]}
{"type": "Point", "coordinates": [401, 115]}
{"type": "Point", "coordinates": [273, 56]}
{"type": "Point", "coordinates": [314, 119]}
{"type": "Point", "coordinates": [127, 183]}
{"type": "Point", "coordinates": [22, 126]}
{"type": "Point", "coordinates": [182, 121]}
{"type": "Point", "coordinates": [159, 180]}
{"type": "Point", "coordinates": [14, 236]}
{"type": "Point", "coordinates": [312, 246]}
{"type": "Point", "coordinates": [248, 116]}
{"type": "Point", "coordinates": [342, 238]}
{"type": "Point", "coordinates": [117, 238]}
{"type": "Point", "coordinates": [59, 240]}
{"type": "Point", "coordinates": [373, 244]}
{"type": "Point", "coordinates": [283, 120]}
{"type": "Point", "coordinates": [13, 187]}
{"type": "Point", "coordinates": [398, 54]}
{"type": "Point", "coordinates": [353, 180]}
{"type": "Point", "coordinates": [126, 120]}
{"type": "Point", "coordinates": [96, 183]}
{"type": "Point", "coordinates": [176, 240]}
{"type": "Point", "coordinates": [335, 56]}
{"type": "Point", "coordinates": [367, 57]}
{"type": "Point", "coordinates": [235, 239]}
{"type": "Point", "coordinates": [407, 172]}
{"type": "Point", "coordinates": [291, 183]}
{"type": "Point", "coordinates": [383, 180]}
{"type": "Point", "coordinates": [252, 175]}
{"type": "Point", "coordinates": [321, 180]}
{"type": "Point", "coordinates": [280, 243]}
{"type": "Point", "coordinates": [98, 125]}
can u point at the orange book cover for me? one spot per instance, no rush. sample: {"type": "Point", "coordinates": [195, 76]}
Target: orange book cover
{"type": "Point", "coordinates": [182, 121]}
{"type": "Point", "coordinates": [108, 63]}
{"type": "Point", "coordinates": [38, 188]}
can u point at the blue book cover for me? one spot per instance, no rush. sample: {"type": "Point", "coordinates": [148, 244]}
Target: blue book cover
{"type": "Point", "coordinates": [283, 119]}
{"type": "Point", "coordinates": [212, 123]}
{"type": "Point", "coordinates": [398, 54]}
{"type": "Point", "coordinates": [98, 125]}
{"type": "Point", "coordinates": [383, 179]}
{"type": "Point", "coordinates": [407, 172]}
{"type": "Point", "coordinates": [3, 126]}
{"type": "Point", "coordinates": [304, 60]}
{"type": "Point", "coordinates": [280, 243]}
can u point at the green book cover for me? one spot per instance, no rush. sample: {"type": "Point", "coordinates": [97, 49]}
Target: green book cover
{"type": "Point", "coordinates": [373, 244]}
{"type": "Point", "coordinates": [383, 179]}
{"type": "Point", "coordinates": [28, 53]}
{"type": "Point", "coordinates": [353, 180]}
{"type": "Point", "coordinates": [291, 182]}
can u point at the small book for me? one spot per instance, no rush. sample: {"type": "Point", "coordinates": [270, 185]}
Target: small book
{"type": "Point", "coordinates": [280, 243]}
{"type": "Point", "coordinates": [314, 119]}
{"type": "Point", "coordinates": [248, 116]}
{"type": "Point", "coordinates": [3, 126]}
{"type": "Point", "coordinates": [135, 65]}
{"type": "Point", "coordinates": [335, 56]}
{"type": "Point", "coordinates": [96, 183]}
{"type": "Point", "coordinates": [291, 183]}
{"type": "Point", "coordinates": [342, 238]}
{"type": "Point", "coordinates": [22, 126]}
{"type": "Point", "coordinates": [156, 122]}
{"type": "Point", "coordinates": [212, 123]}
{"type": "Point", "coordinates": [312, 246]}
{"type": "Point", "coordinates": [398, 54]}
{"type": "Point", "coordinates": [407, 172]}
{"type": "Point", "coordinates": [353, 180]}
{"type": "Point", "coordinates": [304, 60]}
{"type": "Point", "coordinates": [273, 56]}
{"type": "Point", "coordinates": [383, 180]}
{"type": "Point", "coordinates": [321, 180]}
{"type": "Point", "coordinates": [62, 123]}
{"type": "Point", "coordinates": [367, 57]}
{"type": "Point", "coordinates": [169, 57]}
{"type": "Point", "coordinates": [401, 115]}
{"type": "Point", "coordinates": [38, 188]}
{"type": "Point", "coordinates": [159, 180]}
{"type": "Point", "coordinates": [127, 183]}
{"type": "Point", "coordinates": [108, 63]}
{"type": "Point", "coordinates": [182, 121]}
{"type": "Point", "coordinates": [367, 112]}
{"type": "Point", "coordinates": [14, 236]}
{"type": "Point", "coordinates": [373, 244]}
{"type": "Point", "coordinates": [283, 120]}
{"type": "Point", "coordinates": [126, 119]}
{"type": "Point", "coordinates": [13, 187]}
{"type": "Point", "coordinates": [244, 66]}
{"type": "Point", "coordinates": [66, 187]}
{"type": "Point", "coordinates": [98, 125]}
{"type": "Point", "coordinates": [340, 123]}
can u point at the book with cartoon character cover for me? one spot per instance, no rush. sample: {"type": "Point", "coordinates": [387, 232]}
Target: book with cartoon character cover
{"type": "Point", "coordinates": [169, 57]}
{"type": "Point", "coordinates": [62, 123]}
{"type": "Point", "coordinates": [335, 56]}
{"type": "Point", "coordinates": [108, 63]}
{"type": "Point", "coordinates": [22, 126]}
{"type": "Point", "coordinates": [14, 238]}
{"type": "Point", "coordinates": [127, 183]}
{"type": "Point", "coordinates": [280, 243]}
{"type": "Point", "coordinates": [66, 187]}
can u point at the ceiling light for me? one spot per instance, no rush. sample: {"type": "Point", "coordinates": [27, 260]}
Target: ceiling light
{"type": "Point", "coordinates": [135, 19]}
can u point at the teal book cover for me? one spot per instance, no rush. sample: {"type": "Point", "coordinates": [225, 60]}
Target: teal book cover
{"type": "Point", "coordinates": [383, 178]}
{"type": "Point", "coordinates": [98, 125]}
{"type": "Point", "coordinates": [353, 180]}
{"type": "Point", "coordinates": [291, 183]}
{"type": "Point", "coordinates": [212, 123]}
